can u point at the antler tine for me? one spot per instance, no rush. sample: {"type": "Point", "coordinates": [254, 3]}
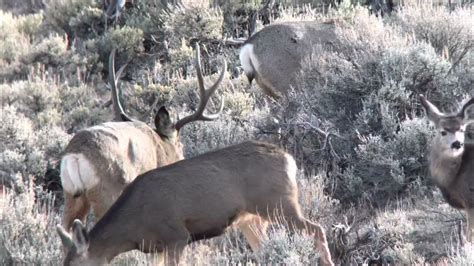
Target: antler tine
{"type": "Point", "coordinates": [204, 94]}
{"type": "Point", "coordinates": [210, 92]}
{"type": "Point", "coordinates": [119, 113]}
{"type": "Point", "coordinates": [202, 88]}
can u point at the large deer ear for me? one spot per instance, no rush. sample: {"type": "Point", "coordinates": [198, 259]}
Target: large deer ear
{"type": "Point", "coordinates": [80, 237]}
{"type": "Point", "coordinates": [463, 112]}
{"type": "Point", "coordinates": [163, 123]}
{"type": "Point", "coordinates": [432, 111]}
{"type": "Point", "coordinates": [66, 238]}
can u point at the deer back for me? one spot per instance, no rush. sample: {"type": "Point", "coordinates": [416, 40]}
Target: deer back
{"type": "Point", "coordinates": [207, 191]}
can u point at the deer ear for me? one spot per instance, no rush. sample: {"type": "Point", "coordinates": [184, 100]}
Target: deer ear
{"type": "Point", "coordinates": [80, 237]}
{"type": "Point", "coordinates": [463, 113]}
{"type": "Point", "coordinates": [66, 238]}
{"type": "Point", "coordinates": [432, 111]}
{"type": "Point", "coordinates": [163, 122]}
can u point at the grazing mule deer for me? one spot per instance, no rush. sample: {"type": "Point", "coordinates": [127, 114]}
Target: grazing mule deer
{"type": "Point", "coordinates": [274, 55]}
{"type": "Point", "coordinates": [166, 208]}
{"type": "Point", "coordinates": [101, 160]}
{"type": "Point", "coordinates": [451, 160]}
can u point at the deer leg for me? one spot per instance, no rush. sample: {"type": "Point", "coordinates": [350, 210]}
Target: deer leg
{"type": "Point", "coordinates": [292, 214]}
{"type": "Point", "coordinates": [155, 258]}
{"type": "Point", "coordinates": [173, 252]}
{"type": "Point", "coordinates": [175, 238]}
{"type": "Point", "coordinates": [74, 208]}
{"type": "Point", "coordinates": [470, 225]}
{"type": "Point", "coordinates": [253, 229]}
{"type": "Point", "coordinates": [102, 197]}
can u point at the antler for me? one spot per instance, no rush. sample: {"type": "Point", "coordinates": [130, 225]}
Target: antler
{"type": "Point", "coordinates": [205, 95]}
{"type": "Point", "coordinates": [119, 113]}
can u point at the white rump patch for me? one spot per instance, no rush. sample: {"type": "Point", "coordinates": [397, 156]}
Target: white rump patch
{"type": "Point", "coordinates": [291, 168]}
{"type": "Point", "coordinates": [77, 173]}
{"type": "Point", "coordinates": [247, 59]}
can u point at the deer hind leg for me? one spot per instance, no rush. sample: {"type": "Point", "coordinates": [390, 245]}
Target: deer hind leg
{"type": "Point", "coordinates": [470, 225]}
{"type": "Point", "coordinates": [291, 213]}
{"type": "Point", "coordinates": [254, 229]}
{"type": "Point", "coordinates": [74, 208]}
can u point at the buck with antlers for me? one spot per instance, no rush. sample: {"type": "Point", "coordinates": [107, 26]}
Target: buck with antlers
{"type": "Point", "coordinates": [275, 55]}
{"type": "Point", "coordinates": [451, 160]}
{"type": "Point", "coordinates": [101, 160]}
{"type": "Point", "coordinates": [166, 208]}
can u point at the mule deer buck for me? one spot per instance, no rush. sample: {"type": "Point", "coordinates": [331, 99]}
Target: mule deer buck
{"type": "Point", "coordinates": [166, 208]}
{"type": "Point", "coordinates": [451, 160]}
{"type": "Point", "coordinates": [101, 160]}
{"type": "Point", "coordinates": [274, 55]}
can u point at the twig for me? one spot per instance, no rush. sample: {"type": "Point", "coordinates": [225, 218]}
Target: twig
{"type": "Point", "coordinates": [327, 144]}
{"type": "Point", "coordinates": [459, 59]}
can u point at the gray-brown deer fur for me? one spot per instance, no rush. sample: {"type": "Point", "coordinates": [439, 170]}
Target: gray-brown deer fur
{"type": "Point", "coordinates": [101, 160]}
{"type": "Point", "coordinates": [166, 208]}
{"type": "Point", "coordinates": [451, 160]}
{"type": "Point", "coordinates": [275, 55]}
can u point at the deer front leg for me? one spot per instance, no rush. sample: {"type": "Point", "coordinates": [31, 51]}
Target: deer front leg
{"type": "Point", "coordinates": [175, 237]}
{"type": "Point", "coordinates": [253, 228]}
{"type": "Point", "coordinates": [74, 208]}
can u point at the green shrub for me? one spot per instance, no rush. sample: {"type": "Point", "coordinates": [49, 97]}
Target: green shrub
{"type": "Point", "coordinates": [29, 151]}
{"type": "Point", "coordinates": [13, 41]}
{"type": "Point", "coordinates": [125, 39]}
{"type": "Point", "coordinates": [28, 227]}
{"type": "Point", "coordinates": [30, 24]}
{"type": "Point", "coordinates": [368, 94]}
{"type": "Point", "coordinates": [193, 24]}
{"type": "Point", "coordinates": [64, 15]}
{"type": "Point", "coordinates": [281, 248]}
{"type": "Point", "coordinates": [128, 42]}
{"type": "Point", "coordinates": [89, 22]}
{"type": "Point", "coordinates": [449, 32]}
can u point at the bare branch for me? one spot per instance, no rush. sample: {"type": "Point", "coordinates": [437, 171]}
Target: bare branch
{"type": "Point", "coordinates": [327, 144]}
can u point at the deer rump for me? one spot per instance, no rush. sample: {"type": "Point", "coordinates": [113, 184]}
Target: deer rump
{"type": "Point", "coordinates": [275, 55]}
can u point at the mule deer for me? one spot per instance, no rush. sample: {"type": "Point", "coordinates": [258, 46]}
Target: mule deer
{"type": "Point", "coordinates": [166, 208]}
{"type": "Point", "coordinates": [101, 160]}
{"type": "Point", "coordinates": [274, 55]}
{"type": "Point", "coordinates": [451, 160]}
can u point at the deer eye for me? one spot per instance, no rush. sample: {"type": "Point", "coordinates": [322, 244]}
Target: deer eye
{"type": "Point", "coordinates": [444, 133]}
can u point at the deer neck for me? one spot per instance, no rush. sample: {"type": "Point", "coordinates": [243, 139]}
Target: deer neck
{"type": "Point", "coordinates": [444, 169]}
{"type": "Point", "coordinates": [172, 150]}
{"type": "Point", "coordinates": [106, 242]}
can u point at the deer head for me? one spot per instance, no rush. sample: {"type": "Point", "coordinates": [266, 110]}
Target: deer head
{"type": "Point", "coordinates": [449, 139]}
{"type": "Point", "coordinates": [76, 246]}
